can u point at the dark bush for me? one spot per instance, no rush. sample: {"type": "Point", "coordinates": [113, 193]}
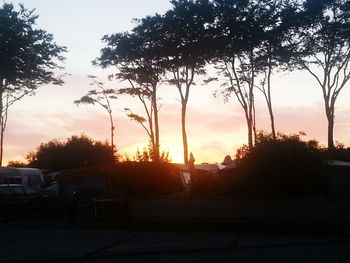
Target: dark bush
{"type": "Point", "coordinates": [285, 167]}
{"type": "Point", "coordinates": [132, 178]}
{"type": "Point", "coordinates": [76, 152]}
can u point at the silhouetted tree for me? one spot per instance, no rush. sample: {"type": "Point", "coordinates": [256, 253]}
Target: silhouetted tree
{"type": "Point", "coordinates": [151, 151]}
{"type": "Point", "coordinates": [322, 48]}
{"type": "Point", "coordinates": [102, 97]}
{"type": "Point", "coordinates": [272, 51]}
{"type": "Point", "coordinates": [77, 151]}
{"type": "Point", "coordinates": [28, 58]}
{"type": "Point", "coordinates": [186, 42]}
{"type": "Point", "coordinates": [239, 32]}
{"type": "Point", "coordinates": [249, 46]}
{"type": "Point", "coordinates": [137, 59]}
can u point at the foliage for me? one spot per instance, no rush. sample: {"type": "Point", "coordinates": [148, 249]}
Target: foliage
{"type": "Point", "coordinates": [28, 54]}
{"type": "Point", "coordinates": [137, 59]}
{"type": "Point", "coordinates": [249, 48]}
{"type": "Point", "coordinates": [284, 167]}
{"type": "Point", "coordinates": [186, 41]}
{"type": "Point", "coordinates": [242, 152]}
{"type": "Point", "coordinates": [17, 164]}
{"type": "Point", "coordinates": [339, 153]}
{"type": "Point", "coordinates": [28, 58]}
{"type": "Point", "coordinates": [167, 47]}
{"type": "Point", "coordinates": [321, 46]}
{"type": "Point", "coordinates": [102, 97]}
{"type": "Point", "coordinates": [247, 41]}
{"type": "Point", "coordinates": [75, 152]}
{"type": "Point", "coordinates": [148, 155]}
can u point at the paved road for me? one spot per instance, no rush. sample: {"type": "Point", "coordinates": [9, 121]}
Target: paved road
{"type": "Point", "coordinates": [62, 243]}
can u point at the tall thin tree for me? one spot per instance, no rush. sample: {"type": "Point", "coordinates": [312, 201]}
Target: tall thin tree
{"type": "Point", "coordinates": [322, 48]}
{"type": "Point", "coordinates": [185, 50]}
{"type": "Point", "coordinates": [137, 59]}
{"type": "Point", "coordinates": [102, 97]}
{"type": "Point", "coordinates": [272, 50]}
{"type": "Point", "coordinates": [28, 59]}
{"type": "Point", "coordinates": [238, 33]}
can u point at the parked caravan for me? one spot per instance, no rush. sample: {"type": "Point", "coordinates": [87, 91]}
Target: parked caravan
{"type": "Point", "coordinates": [25, 176]}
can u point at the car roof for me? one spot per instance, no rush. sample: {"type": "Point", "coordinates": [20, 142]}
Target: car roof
{"type": "Point", "coordinates": [7, 185]}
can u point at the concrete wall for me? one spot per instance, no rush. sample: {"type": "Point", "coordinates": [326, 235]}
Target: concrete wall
{"type": "Point", "coordinates": [230, 209]}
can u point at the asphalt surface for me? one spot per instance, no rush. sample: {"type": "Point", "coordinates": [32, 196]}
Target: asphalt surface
{"type": "Point", "coordinates": [42, 242]}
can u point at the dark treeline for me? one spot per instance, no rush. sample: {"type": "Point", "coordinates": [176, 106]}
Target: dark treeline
{"type": "Point", "coordinates": [246, 41]}
{"type": "Point", "coordinates": [81, 151]}
{"type": "Point", "coordinates": [280, 166]}
{"type": "Point", "coordinates": [284, 166]}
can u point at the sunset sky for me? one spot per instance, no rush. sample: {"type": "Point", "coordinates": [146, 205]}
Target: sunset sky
{"type": "Point", "coordinates": [214, 128]}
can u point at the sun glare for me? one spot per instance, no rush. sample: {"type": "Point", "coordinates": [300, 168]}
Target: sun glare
{"type": "Point", "coordinates": [176, 153]}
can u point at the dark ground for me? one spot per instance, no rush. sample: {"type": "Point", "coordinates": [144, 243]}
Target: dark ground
{"type": "Point", "coordinates": [39, 240]}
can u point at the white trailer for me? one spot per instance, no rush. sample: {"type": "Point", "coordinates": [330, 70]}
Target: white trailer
{"type": "Point", "coordinates": [26, 176]}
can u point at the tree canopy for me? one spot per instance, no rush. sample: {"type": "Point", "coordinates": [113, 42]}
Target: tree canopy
{"type": "Point", "coordinates": [161, 48]}
{"type": "Point", "coordinates": [28, 58]}
{"type": "Point", "coordinates": [321, 45]}
{"type": "Point", "coordinates": [138, 62]}
{"type": "Point", "coordinates": [75, 152]}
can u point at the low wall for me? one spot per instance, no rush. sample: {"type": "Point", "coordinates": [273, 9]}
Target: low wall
{"type": "Point", "coordinates": [230, 209]}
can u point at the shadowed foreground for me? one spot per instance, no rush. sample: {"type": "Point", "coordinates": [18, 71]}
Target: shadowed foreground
{"type": "Point", "coordinates": [44, 242]}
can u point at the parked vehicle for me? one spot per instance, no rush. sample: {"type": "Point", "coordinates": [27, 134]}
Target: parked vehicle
{"type": "Point", "coordinates": [25, 176]}
{"type": "Point", "coordinates": [52, 190]}
{"type": "Point", "coordinates": [18, 200]}
{"type": "Point", "coordinates": [16, 192]}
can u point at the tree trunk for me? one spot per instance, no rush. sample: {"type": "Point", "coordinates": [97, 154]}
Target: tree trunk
{"type": "Point", "coordinates": [329, 109]}
{"type": "Point", "coordinates": [330, 118]}
{"type": "Point", "coordinates": [254, 124]}
{"type": "Point", "coordinates": [184, 135]}
{"type": "Point", "coordinates": [1, 146]}
{"type": "Point", "coordinates": [251, 104]}
{"type": "Point", "coordinates": [250, 134]}
{"type": "Point", "coordinates": [112, 130]}
{"type": "Point", "coordinates": [156, 125]}
{"type": "Point", "coordinates": [268, 98]}
{"type": "Point", "coordinates": [250, 128]}
{"type": "Point", "coordinates": [150, 130]}
{"type": "Point", "coordinates": [1, 122]}
{"type": "Point", "coordinates": [272, 119]}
